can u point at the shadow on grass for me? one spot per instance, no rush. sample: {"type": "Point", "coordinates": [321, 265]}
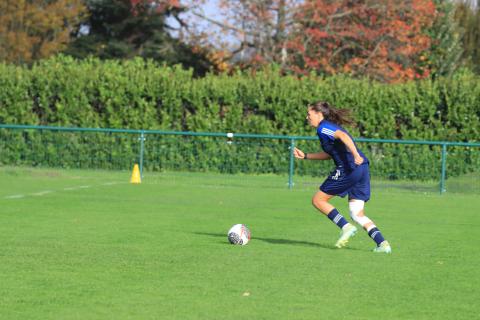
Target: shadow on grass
{"type": "Point", "coordinates": [278, 241]}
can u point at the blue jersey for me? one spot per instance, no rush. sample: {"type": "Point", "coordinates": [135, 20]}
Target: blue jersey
{"type": "Point", "coordinates": [335, 147]}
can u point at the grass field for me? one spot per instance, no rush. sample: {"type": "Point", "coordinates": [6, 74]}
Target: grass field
{"type": "Point", "coordinates": [89, 245]}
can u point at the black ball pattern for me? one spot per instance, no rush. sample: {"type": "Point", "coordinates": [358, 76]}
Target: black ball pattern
{"type": "Point", "coordinates": [234, 238]}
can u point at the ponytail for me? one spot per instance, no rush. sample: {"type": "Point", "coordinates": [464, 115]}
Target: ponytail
{"type": "Point", "coordinates": [332, 114]}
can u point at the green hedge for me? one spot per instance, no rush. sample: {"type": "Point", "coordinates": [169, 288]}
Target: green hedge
{"type": "Point", "coordinates": [140, 94]}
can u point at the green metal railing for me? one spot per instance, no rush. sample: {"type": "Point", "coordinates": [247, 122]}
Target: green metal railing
{"type": "Point", "coordinates": [19, 143]}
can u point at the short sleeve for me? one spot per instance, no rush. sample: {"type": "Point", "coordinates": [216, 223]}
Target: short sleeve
{"type": "Point", "coordinates": [327, 132]}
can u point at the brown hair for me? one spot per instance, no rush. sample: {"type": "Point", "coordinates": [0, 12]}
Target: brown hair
{"type": "Point", "coordinates": [335, 115]}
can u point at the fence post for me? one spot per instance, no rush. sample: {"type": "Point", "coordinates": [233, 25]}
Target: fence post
{"type": "Point", "coordinates": [444, 168]}
{"type": "Point", "coordinates": [142, 139]}
{"type": "Point", "coordinates": [290, 171]}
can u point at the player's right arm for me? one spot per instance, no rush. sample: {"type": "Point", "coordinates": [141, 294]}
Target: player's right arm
{"type": "Point", "coordinates": [299, 154]}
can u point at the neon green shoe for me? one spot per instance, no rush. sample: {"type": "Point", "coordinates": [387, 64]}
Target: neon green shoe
{"type": "Point", "coordinates": [348, 231]}
{"type": "Point", "coordinates": [383, 247]}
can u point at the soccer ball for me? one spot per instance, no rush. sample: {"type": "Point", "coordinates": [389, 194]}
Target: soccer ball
{"type": "Point", "coordinates": [239, 234]}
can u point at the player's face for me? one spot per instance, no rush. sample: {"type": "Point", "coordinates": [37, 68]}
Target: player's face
{"type": "Point", "coordinates": [314, 118]}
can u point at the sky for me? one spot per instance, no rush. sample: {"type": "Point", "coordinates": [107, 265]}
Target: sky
{"type": "Point", "coordinates": [210, 9]}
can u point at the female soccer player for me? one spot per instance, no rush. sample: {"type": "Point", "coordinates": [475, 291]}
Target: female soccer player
{"type": "Point", "coordinates": [351, 175]}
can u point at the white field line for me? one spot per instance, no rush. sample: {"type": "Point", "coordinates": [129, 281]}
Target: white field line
{"type": "Point", "coordinates": [41, 193]}
{"type": "Point", "coordinates": [110, 183]}
{"type": "Point", "coordinates": [75, 188]}
{"type": "Point", "coordinates": [44, 192]}
{"type": "Point", "coordinates": [15, 196]}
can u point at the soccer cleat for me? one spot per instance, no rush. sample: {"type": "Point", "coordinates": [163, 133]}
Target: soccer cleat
{"type": "Point", "coordinates": [383, 247]}
{"type": "Point", "coordinates": [347, 232]}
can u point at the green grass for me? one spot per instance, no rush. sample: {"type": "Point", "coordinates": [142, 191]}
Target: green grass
{"type": "Point", "coordinates": [112, 250]}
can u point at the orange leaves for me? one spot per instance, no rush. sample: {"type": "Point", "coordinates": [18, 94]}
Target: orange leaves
{"type": "Point", "coordinates": [158, 5]}
{"type": "Point", "coordinates": [316, 33]}
{"type": "Point", "coordinates": [383, 40]}
{"type": "Point", "coordinates": [31, 30]}
{"type": "Point", "coordinates": [219, 60]}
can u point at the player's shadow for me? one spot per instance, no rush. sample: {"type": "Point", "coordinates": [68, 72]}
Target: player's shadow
{"type": "Point", "coordinates": [278, 241]}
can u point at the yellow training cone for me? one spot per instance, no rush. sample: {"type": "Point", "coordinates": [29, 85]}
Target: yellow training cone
{"type": "Point", "coordinates": [136, 178]}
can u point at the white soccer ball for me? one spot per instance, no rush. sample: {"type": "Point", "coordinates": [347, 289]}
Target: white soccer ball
{"type": "Point", "coordinates": [239, 234]}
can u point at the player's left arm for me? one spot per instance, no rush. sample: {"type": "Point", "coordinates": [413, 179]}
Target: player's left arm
{"type": "Point", "coordinates": [345, 138]}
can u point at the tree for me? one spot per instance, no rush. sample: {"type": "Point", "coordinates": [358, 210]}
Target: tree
{"type": "Point", "coordinates": [467, 15]}
{"type": "Point", "coordinates": [384, 40]}
{"type": "Point", "coordinates": [250, 32]}
{"type": "Point", "coordinates": [127, 28]}
{"type": "Point", "coordinates": [445, 54]}
{"type": "Point", "coordinates": [36, 29]}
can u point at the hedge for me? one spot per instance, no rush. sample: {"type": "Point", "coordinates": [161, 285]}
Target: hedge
{"type": "Point", "coordinates": [140, 94]}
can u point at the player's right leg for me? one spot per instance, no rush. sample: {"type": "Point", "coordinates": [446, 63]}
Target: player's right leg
{"type": "Point", "coordinates": [320, 201]}
{"type": "Point", "coordinates": [358, 195]}
{"type": "Point", "coordinates": [357, 214]}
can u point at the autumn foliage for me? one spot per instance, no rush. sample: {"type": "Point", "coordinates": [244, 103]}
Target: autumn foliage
{"type": "Point", "coordinates": [159, 6]}
{"type": "Point", "coordinates": [383, 40]}
{"type": "Point", "coordinates": [31, 30]}
{"type": "Point", "coordinates": [388, 40]}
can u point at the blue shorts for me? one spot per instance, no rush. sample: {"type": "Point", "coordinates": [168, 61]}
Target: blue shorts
{"type": "Point", "coordinates": [356, 183]}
